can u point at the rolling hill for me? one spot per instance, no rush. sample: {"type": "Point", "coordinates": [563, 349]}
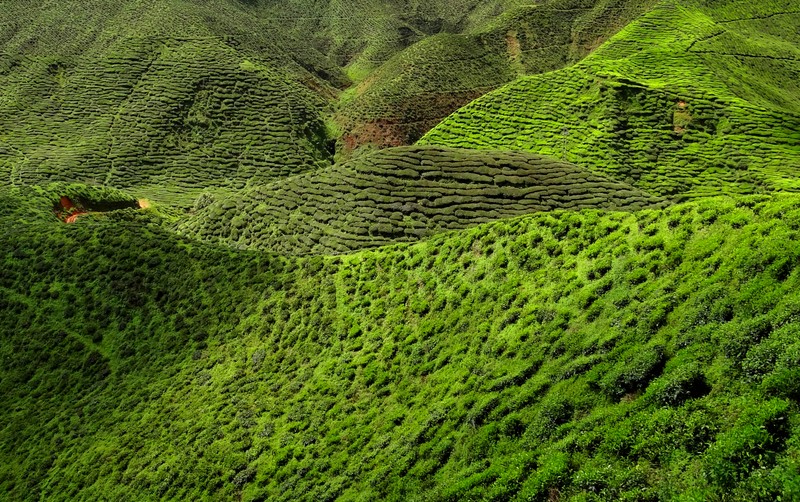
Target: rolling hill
{"type": "Point", "coordinates": [402, 194]}
{"type": "Point", "coordinates": [159, 97]}
{"type": "Point", "coordinates": [691, 99]}
{"type": "Point", "coordinates": [595, 355]}
{"type": "Point", "coordinates": [410, 93]}
{"type": "Point", "coordinates": [472, 250]}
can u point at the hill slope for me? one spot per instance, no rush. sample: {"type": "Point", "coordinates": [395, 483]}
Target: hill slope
{"type": "Point", "coordinates": [162, 98]}
{"type": "Point", "coordinates": [591, 355]}
{"type": "Point", "coordinates": [410, 93]}
{"type": "Point", "coordinates": [607, 346]}
{"type": "Point", "coordinates": [169, 98]}
{"type": "Point", "coordinates": [692, 98]}
{"type": "Point", "coordinates": [402, 194]}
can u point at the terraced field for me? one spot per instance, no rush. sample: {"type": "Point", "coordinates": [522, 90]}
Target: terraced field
{"type": "Point", "coordinates": [521, 306]}
{"type": "Point", "coordinates": [409, 94]}
{"type": "Point", "coordinates": [402, 194]}
{"type": "Point", "coordinates": [161, 115]}
{"type": "Point", "coordinates": [680, 102]}
{"type": "Point", "coordinates": [167, 98]}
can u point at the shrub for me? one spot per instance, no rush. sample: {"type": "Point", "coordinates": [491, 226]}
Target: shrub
{"type": "Point", "coordinates": [686, 382]}
{"type": "Point", "coordinates": [783, 382]}
{"type": "Point", "coordinates": [738, 340]}
{"type": "Point", "coordinates": [552, 472]}
{"type": "Point", "coordinates": [753, 443]}
{"type": "Point", "coordinates": [635, 372]}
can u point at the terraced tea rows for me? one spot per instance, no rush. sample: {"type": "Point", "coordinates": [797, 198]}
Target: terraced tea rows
{"type": "Point", "coordinates": [170, 97]}
{"type": "Point", "coordinates": [651, 109]}
{"type": "Point", "coordinates": [360, 35]}
{"type": "Point", "coordinates": [412, 92]}
{"type": "Point", "coordinates": [402, 194]}
{"type": "Point", "coordinates": [577, 348]}
{"type": "Point", "coordinates": [599, 355]}
{"type": "Point", "coordinates": [166, 117]}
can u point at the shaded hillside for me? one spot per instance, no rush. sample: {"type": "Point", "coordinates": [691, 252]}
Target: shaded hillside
{"type": "Point", "coordinates": [170, 97]}
{"type": "Point", "coordinates": [689, 99]}
{"type": "Point", "coordinates": [402, 194]}
{"type": "Point", "coordinates": [360, 35]}
{"type": "Point", "coordinates": [164, 98]}
{"type": "Point", "coordinates": [409, 94]}
{"type": "Point", "coordinates": [597, 356]}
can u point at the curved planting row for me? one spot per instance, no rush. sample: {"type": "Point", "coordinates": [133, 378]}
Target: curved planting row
{"type": "Point", "coordinates": [402, 194]}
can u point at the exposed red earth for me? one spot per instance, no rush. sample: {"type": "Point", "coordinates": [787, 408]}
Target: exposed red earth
{"type": "Point", "coordinates": [69, 210]}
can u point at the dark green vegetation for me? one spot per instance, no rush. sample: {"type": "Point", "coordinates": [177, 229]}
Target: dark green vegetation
{"type": "Point", "coordinates": [167, 98]}
{"type": "Point", "coordinates": [162, 100]}
{"type": "Point", "coordinates": [584, 285]}
{"type": "Point", "coordinates": [402, 194]}
{"type": "Point", "coordinates": [410, 93]}
{"type": "Point", "coordinates": [597, 355]}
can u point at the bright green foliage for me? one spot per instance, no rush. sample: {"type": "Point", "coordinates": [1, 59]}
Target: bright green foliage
{"type": "Point", "coordinates": [689, 99]}
{"type": "Point", "coordinates": [402, 194]}
{"type": "Point", "coordinates": [516, 360]}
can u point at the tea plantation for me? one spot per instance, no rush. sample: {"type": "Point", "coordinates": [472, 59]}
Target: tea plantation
{"type": "Point", "coordinates": [587, 355]}
{"type": "Point", "coordinates": [402, 194]}
{"type": "Point", "coordinates": [409, 94]}
{"type": "Point", "coordinates": [688, 100]}
{"type": "Point", "coordinates": [165, 115]}
{"type": "Point", "coordinates": [359, 250]}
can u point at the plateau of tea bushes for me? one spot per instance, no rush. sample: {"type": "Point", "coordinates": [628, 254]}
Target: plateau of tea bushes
{"type": "Point", "coordinates": [596, 355]}
{"type": "Point", "coordinates": [402, 194]}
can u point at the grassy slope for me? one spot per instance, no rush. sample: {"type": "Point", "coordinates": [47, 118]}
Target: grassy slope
{"type": "Point", "coordinates": [689, 99]}
{"type": "Point", "coordinates": [409, 94]}
{"type": "Point", "coordinates": [593, 355]}
{"type": "Point", "coordinates": [402, 194]}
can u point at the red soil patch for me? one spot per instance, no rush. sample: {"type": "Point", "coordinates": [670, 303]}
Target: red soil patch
{"type": "Point", "coordinates": [382, 133]}
{"type": "Point", "coordinates": [67, 211]}
{"type": "Point", "coordinates": [66, 203]}
{"type": "Point", "coordinates": [74, 217]}
{"type": "Point", "coordinates": [408, 121]}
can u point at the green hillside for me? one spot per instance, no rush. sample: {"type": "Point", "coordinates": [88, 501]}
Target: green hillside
{"type": "Point", "coordinates": [410, 93]}
{"type": "Point", "coordinates": [402, 194]}
{"type": "Point", "coordinates": [164, 100]}
{"type": "Point", "coordinates": [594, 355]}
{"type": "Point", "coordinates": [472, 250]}
{"type": "Point", "coordinates": [168, 98]}
{"type": "Point", "coordinates": [692, 99]}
